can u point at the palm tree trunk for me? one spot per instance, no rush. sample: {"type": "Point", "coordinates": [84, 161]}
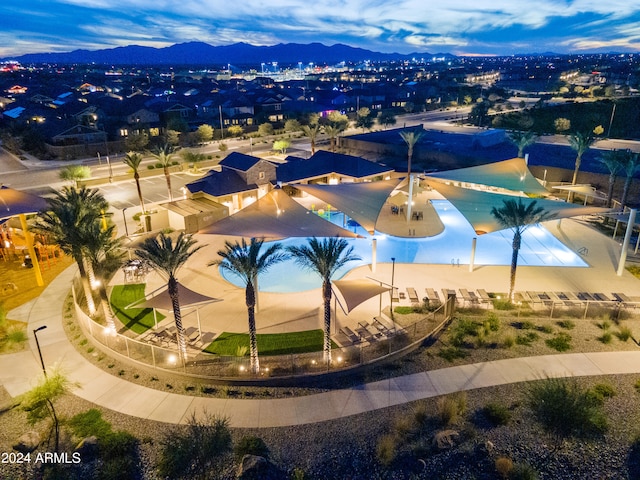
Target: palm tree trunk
{"type": "Point", "coordinates": [177, 315]}
{"type": "Point", "coordinates": [625, 191]}
{"type": "Point", "coordinates": [91, 306]}
{"type": "Point", "coordinates": [136, 177]}
{"type": "Point", "coordinates": [167, 176]}
{"type": "Point", "coordinates": [612, 181]}
{"type": "Point", "coordinates": [326, 297]}
{"type": "Point", "coordinates": [106, 310]}
{"type": "Point", "coordinates": [517, 240]}
{"type": "Point", "coordinates": [253, 341]}
{"type": "Point", "coordinates": [575, 176]}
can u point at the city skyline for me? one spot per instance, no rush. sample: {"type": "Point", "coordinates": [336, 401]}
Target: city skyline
{"type": "Point", "coordinates": [460, 27]}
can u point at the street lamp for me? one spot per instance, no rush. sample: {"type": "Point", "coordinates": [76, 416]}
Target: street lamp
{"type": "Point", "coordinates": [393, 274]}
{"type": "Point", "coordinates": [35, 334]}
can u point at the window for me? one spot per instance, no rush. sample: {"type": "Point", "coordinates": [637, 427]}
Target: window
{"type": "Point", "coordinates": [261, 175]}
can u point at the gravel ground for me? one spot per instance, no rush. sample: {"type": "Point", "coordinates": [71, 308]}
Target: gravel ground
{"type": "Point", "coordinates": [347, 448]}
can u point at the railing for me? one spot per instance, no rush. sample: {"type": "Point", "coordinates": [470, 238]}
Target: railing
{"type": "Point", "coordinates": [213, 367]}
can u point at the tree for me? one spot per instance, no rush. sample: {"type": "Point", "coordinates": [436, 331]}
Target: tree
{"type": "Point", "coordinates": [311, 131]}
{"type": "Point", "coordinates": [265, 129]}
{"type": "Point", "coordinates": [522, 140]}
{"type": "Point", "coordinates": [164, 154]}
{"type": "Point", "coordinates": [39, 402]}
{"type": "Point", "coordinates": [479, 113]}
{"type": "Point", "coordinates": [166, 257]}
{"type": "Point", "coordinates": [75, 173]}
{"type": "Point", "coordinates": [193, 158]}
{"type": "Point", "coordinates": [562, 124]}
{"type": "Point", "coordinates": [387, 118]}
{"type": "Point", "coordinates": [204, 133]}
{"type": "Point", "coordinates": [338, 119]}
{"type": "Point", "coordinates": [631, 166]}
{"type": "Point", "coordinates": [67, 219]}
{"type": "Point", "coordinates": [325, 257]}
{"type": "Point", "coordinates": [613, 160]}
{"type": "Point", "coordinates": [172, 137]}
{"type": "Point", "coordinates": [292, 125]}
{"type": "Point", "coordinates": [137, 142]}
{"type": "Point", "coordinates": [247, 262]}
{"type": "Point", "coordinates": [364, 119]}
{"type": "Point", "coordinates": [580, 142]}
{"type": "Point", "coordinates": [518, 216]}
{"type": "Point", "coordinates": [332, 132]}
{"type": "Point", "coordinates": [235, 130]}
{"type": "Point", "coordinates": [410, 137]}
{"type": "Point", "coordinates": [281, 145]}
{"type": "Point", "coordinates": [133, 161]}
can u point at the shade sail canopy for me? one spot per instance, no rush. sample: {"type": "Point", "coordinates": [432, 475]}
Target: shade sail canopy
{"type": "Point", "coordinates": [355, 292]}
{"type": "Point", "coordinates": [476, 206]}
{"type": "Point", "coordinates": [14, 202]}
{"type": "Point", "coordinates": [276, 215]}
{"type": "Point", "coordinates": [511, 174]}
{"type": "Point", "coordinates": [188, 299]}
{"type": "Point", "coordinates": [360, 201]}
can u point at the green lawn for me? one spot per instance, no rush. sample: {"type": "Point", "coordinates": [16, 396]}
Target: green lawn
{"type": "Point", "coordinates": [268, 343]}
{"type": "Point", "coordinates": [139, 320]}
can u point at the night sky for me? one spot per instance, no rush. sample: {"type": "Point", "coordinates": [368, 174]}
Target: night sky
{"type": "Point", "coordinates": [461, 27]}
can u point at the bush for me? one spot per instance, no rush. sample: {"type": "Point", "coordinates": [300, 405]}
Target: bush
{"type": "Point", "coordinates": [501, 304]}
{"type": "Point", "coordinates": [566, 324]}
{"type": "Point", "coordinates": [197, 451]}
{"type": "Point", "coordinates": [504, 466]}
{"type": "Point", "coordinates": [606, 337]}
{"type": "Point", "coordinates": [452, 353]}
{"type": "Point", "coordinates": [492, 322]}
{"type": "Point", "coordinates": [602, 391]}
{"type": "Point", "coordinates": [545, 329]}
{"type": "Point", "coordinates": [386, 449]}
{"type": "Point", "coordinates": [523, 471]}
{"type": "Point", "coordinates": [527, 339]}
{"type": "Point", "coordinates": [450, 407]}
{"type": "Point", "coordinates": [497, 414]}
{"type": "Point", "coordinates": [565, 409]}
{"type": "Point", "coordinates": [119, 454]}
{"type": "Point", "coordinates": [508, 341]}
{"type": "Point", "coordinates": [624, 334]}
{"type": "Point", "coordinates": [560, 342]}
{"type": "Point", "coordinates": [89, 423]}
{"type": "Point", "coordinates": [251, 445]}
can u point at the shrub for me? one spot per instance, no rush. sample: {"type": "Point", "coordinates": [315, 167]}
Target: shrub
{"type": "Point", "coordinates": [251, 445]}
{"type": "Point", "coordinates": [492, 322]}
{"type": "Point", "coordinates": [606, 337]}
{"type": "Point", "coordinates": [450, 407]}
{"type": "Point", "coordinates": [502, 304]}
{"type": "Point", "coordinates": [527, 339]}
{"type": "Point", "coordinates": [545, 328]}
{"type": "Point", "coordinates": [624, 333]}
{"type": "Point", "coordinates": [420, 415]}
{"type": "Point", "coordinates": [119, 454]}
{"type": "Point", "coordinates": [526, 325]}
{"type": "Point", "coordinates": [386, 449]}
{"type": "Point", "coordinates": [508, 341]}
{"type": "Point", "coordinates": [452, 353]}
{"type": "Point", "coordinates": [566, 324]}
{"type": "Point", "coordinates": [497, 413]}
{"type": "Point", "coordinates": [602, 390]}
{"type": "Point", "coordinates": [560, 342]}
{"type": "Point", "coordinates": [604, 325]}
{"type": "Point", "coordinates": [637, 386]}
{"type": "Point", "coordinates": [523, 471]}
{"type": "Point", "coordinates": [199, 450]}
{"type": "Point", "coordinates": [504, 466]}
{"type": "Point", "coordinates": [89, 423]}
{"type": "Point", "coordinates": [565, 409]}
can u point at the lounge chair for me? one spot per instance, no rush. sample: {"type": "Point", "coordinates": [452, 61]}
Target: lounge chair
{"type": "Point", "coordinates": [394, 295]}
{"type": "Point", "coordinates": [351, 334]}
{"type": "Point", "coordinates": [413, 295]}
{"type": "Point", "coordinates": [371, 329]}
{"type": "Point", "coordinates": [484, 296]}
{"type": "Point", "coordinates": [432, 295]}
{"type": "Point", "coordinates": [467, 297]}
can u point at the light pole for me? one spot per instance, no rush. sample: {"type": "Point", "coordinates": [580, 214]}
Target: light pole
{"type": "Point", "coordinates": [35, 334]}
{"type": "Point", "coordinates": [393, 274]}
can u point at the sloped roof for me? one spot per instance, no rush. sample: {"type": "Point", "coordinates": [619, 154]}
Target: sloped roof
{"type": "Point", "coordinates": [239, 161]}
{"type": "Point", "coordinates": [188, 299]}
{"type": "Point", "coordinates": [510, 174]}
{"type": "Point", "coordinates": [360, 201]}
{"type": "Point", "coordinates": [276, 215]}
{"type": "Point", "coordinates": [219, 184]}
{"type": "Point", "coordinates": [476, 206]}
{"type": "Point", "coordinates": [324, 163]}
{"type": "Point", "coordinates": [14, 202]}
{"type": "Point", "coordinates": [355, 292]}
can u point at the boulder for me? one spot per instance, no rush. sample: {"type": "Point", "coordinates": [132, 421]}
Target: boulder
{"type": "Point", "coordinates": [445, 439]}
{"type": "Point", "coordinates": [253, 467]}
{"type": "Point", "coordinates": [28, 442]}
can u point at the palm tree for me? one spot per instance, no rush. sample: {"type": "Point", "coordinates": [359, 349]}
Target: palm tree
{"type": "Point", "coordinates": [102, 250]}
{"type": "Point", "coordinates": [522, 140]}
{"type": "Point", "coordinates": [613, 160]}
{"type": "Point", "coordinates": [325, 257]}
{"type": "Point", "coordinates": [580, 142]}
{"type": "Point", "coordinates": [247, 261]}
{"type": "Point", "coordinates": [133, 161]}
{"type": "Point", "coordinates": [410, 137]}
{"type": "Point", "coordinates": [69, 216]}
{"type": "Point", "coordinates": [518, 216]}
{"type": "Point", "coordinates": [311, 131]}
{"type": "Point", "coordinates": [164, 155]}
{"type": "Point", "coordinates": [166, 257]}
{"type": "Point", "coordinates": [332, 132]}
{"type": "Point", "coordinates": [630, 165]}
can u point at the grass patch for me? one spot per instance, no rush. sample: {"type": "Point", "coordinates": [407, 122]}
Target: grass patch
{"type": "Point", "coordinates": [403, 310]}
{"type": "Point", "coordinates": [560, 342]}
{"type": "Point", "coordinates": [451, 353]}
{"type": "Point", "coordinates": [527, 338]}
{"type": "Point", "coordinates": [138, 320]}
{"type": "Point", "coordinates": [228, 344]}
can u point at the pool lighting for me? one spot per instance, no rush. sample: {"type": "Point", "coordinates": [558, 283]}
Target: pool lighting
{"type": "Point", "coordinates": [173, 359]}
{"type": "Point", "coordinates": [339, 359]}
{"type": "Point", "coordinates": [242, 368]}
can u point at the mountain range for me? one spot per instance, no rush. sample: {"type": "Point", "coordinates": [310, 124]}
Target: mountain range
{"type": "Point", "coordinates": [200, 53]}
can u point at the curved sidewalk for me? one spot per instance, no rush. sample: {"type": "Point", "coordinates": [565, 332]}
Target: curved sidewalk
{"type": "Point", "coordinates": [19, 372]}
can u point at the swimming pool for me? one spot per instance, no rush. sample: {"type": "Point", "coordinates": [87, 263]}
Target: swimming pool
{"type": "Point", "coordinates": [453, 245]}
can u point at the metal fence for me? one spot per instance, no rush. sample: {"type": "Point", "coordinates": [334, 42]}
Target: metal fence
{"type": "Point", "coordinates": [399, 340]}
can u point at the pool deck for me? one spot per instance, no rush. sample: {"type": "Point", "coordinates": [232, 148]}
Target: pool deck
{"type": "Point", "coordinates": [281, 312]}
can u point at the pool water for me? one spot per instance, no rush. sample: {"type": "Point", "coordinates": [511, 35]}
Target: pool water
{"type": "Point", "coordinates": [452, 246]}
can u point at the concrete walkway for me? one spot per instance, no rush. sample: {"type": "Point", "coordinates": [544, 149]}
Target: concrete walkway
{"type": "Point", "coordinates": [20, 371]}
